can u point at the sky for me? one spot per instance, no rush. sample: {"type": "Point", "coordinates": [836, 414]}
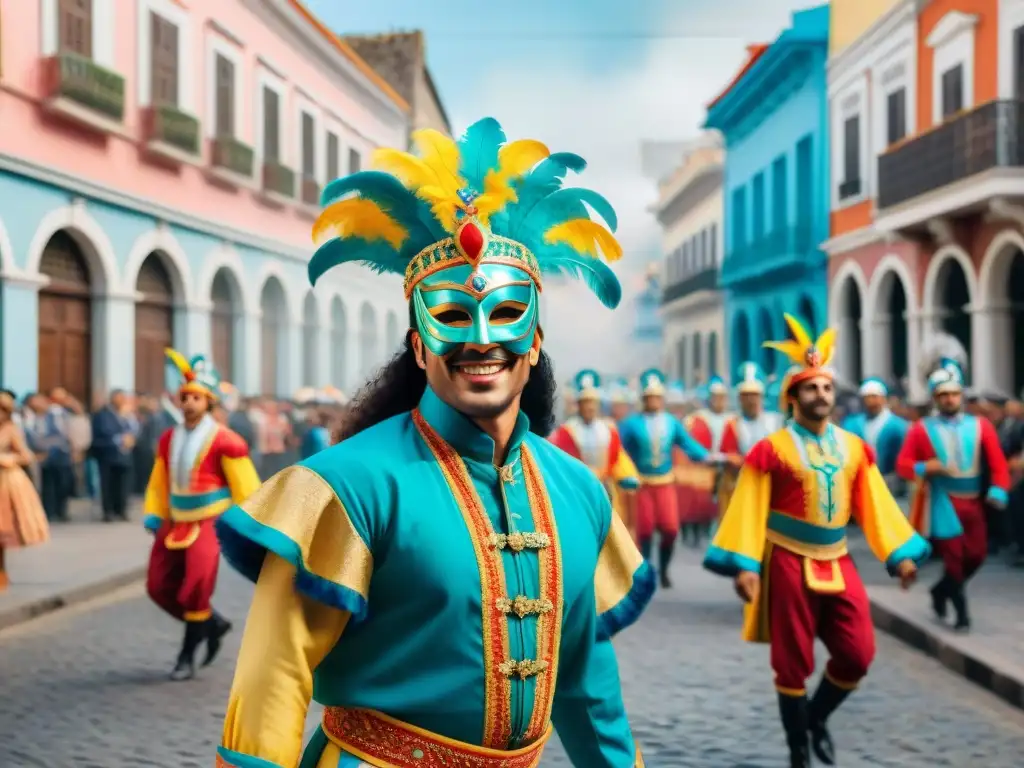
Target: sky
{"type": "Point", "coordinates": [594, 77]}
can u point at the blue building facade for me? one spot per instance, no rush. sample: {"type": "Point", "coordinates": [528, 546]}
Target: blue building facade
{"type": "Point", "coordinates": [774, 119]}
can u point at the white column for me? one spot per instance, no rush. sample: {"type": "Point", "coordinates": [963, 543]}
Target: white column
{"type": "Point", "coordinates": [289, 359]}
{"type": "Point", "coordinates": [991, 346]}
{"type": "Point", "coordinates": [251, 344]}
{"type": "Point", "coordinates": [192, 329]}
{"type": "Point", "coordinates": [324, 355]}
{"type": "Point", "coordinates": [919, 325]}
{"type": "Point", "coordinates": [113, 343]}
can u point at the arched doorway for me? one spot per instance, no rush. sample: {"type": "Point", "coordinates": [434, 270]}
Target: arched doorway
{"type": "Point", "coordinates": [154, 324]}
{"type": "Point", "coordinates": [1002, 292]}
{"type": "Point", "coordinates": [368, 339]}
{"type": "Point", "coordinates": [391, 333]}
{"type": "Point", "coordinates": [273, 327]}
{"type": "Point", "coordinates": [952, 296]}
{"type": "Point", "coordinates": [1015, 299]}
{"type": "Point", "coordinates": [713, 351]}
{"type": "Point", "coordinates": [891, 334]}
{"type": "Point", "coordinates": [805, 313]}
{"type": "Point", "coordinates": [698, 358]}
{"type": "Point", "coordinates": [225, 296]}
{"type": "Point", "coordinates": [339, 344]}
{"type": "Point", "coordinates": [310, 341]}
{"type": "Point", "coordinates": [850, 313]}
{"type": "Point", "coordinates": [65, 319]}
{"type": "Point", "coordinates": [682, 369]}
{"type": "Point", "coordinates": [765, 332]}
{"type": "Point", "coordinates": [740, 338]}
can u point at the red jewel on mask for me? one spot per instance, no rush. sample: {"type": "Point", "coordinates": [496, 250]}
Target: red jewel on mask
{"type": "Point", "coordinates": [471, 242]}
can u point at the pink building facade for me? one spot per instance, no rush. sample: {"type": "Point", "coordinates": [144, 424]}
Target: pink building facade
{"type": "Point", "coordinates": [160, 166]}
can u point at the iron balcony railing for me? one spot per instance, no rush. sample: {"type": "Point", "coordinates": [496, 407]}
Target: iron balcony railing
{"type": "Point", "coordinates": [704, 280]}
{"type": "Point", "coordinates": [782, 250]}
{"type": "Point", "coordinates": [990, 136]}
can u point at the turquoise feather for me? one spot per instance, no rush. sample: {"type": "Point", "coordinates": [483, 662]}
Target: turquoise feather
{"type": "Point", "coordinates": [544, 180]}
{"type": "Point", "coordinates": [478, 149]}
{"type": "Point", "coordinates": [565, 205]}
{"type": "Point", "coordinates": [563, 260]}
{"type": "Point", "coordinates": [378, 255]}
{"type": "Point", "coordinates": [402, 205]}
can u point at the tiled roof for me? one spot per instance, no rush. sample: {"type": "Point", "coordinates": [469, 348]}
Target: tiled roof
{"type": "Point", "coordinates": [754, 52]}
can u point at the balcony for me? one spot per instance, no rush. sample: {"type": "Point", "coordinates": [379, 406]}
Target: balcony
{"type": "Point", "coordinates": [82, 91]}
{"type": "Point", "coordinates": [278, 182]}
{"type": "Point", "coordinates": [954, 169]}
{"type": "Point", "coordinates": [232, 161]}
{"type": "Point", "coordinates": [704, 280]}
{"type": "Point", "coordinates": [171, 134]}
{"type": "Point", "coordinates": [310, 192]}
{"type": "Point", "coordinates": [786, 251]}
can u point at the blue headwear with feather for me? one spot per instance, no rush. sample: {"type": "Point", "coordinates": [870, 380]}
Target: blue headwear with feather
{"type": "Point", "coordinates": [472, 226]}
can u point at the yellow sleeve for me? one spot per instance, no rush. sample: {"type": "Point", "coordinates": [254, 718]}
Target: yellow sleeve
{"type": "Point", "coordinates": [286, 637]}
{"type": "Point", "coordinates": [156, 504]}
{"type": "Point", "coordinates": [242, 477]}
{"type": "Point", "coordinates": [888, 532]}
{"type": "Point", "coordinates": [739, 543]}
{"type": "Point", "coordinates": [623, 581]}
{"type": "Point", "coordinates": [624, 472]}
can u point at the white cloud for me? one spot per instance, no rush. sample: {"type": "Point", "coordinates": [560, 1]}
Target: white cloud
{"type": "Point", "coordinates": [604, 117]}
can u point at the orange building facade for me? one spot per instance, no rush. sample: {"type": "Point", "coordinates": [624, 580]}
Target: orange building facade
{"type": "Point", "coordinates": [927, 119]}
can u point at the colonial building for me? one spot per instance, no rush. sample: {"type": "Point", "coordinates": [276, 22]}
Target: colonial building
{"type": "Point", "coordinates": [160, 167]}
{"type": "Point", "coordinates": [689, 209]}
{"type": "Point", "coordinates": [928, 199]}
{"type": "Point", "coordinates": [773, 117]}
{"type": "Point", "coordinates": [401, 59]}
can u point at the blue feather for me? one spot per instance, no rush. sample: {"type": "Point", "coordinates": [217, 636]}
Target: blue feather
{"type": "Point", "coordinates": [378, 255]}
{"type": "Point", "coordinates": [563, 260]}
{"type": "Point", "coordinates": [395, 199]}
{"type": "Point", "coordinates": [565, 205]}
{"type": "Point", "coordinates": [542, 181]}
{"type": "Point", "coordinates": [478, 148]}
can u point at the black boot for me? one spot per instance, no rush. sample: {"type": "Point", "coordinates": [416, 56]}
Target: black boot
{"type": "Point", "coordinates": [826, 700]}
{"type": "Point", "coordinates": [793, 710]}
{"type": "Point", "coordinates": [664, 558]}
{"type": "Point", "coordinates": [185, 669]}
{"type": "Point", "coordinates": [940, 596]}
{"type": "Point", "coordinates": [216, 627]}
{"type": "Point", "coordinates": [958, 597]}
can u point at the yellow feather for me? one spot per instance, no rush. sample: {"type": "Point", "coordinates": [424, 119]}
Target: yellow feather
{"type": "Point", "coordinates": [585, 236]}
{"type": "Point", "coordinates": [442, 205]}
{"type": "Point", "coordinates": [441, 154]}
{"type": "Point", "coordinates": [789, 348]}
{"type": "Point", "coordinates": [514, 161]}
{"type": "Point", "coordinates": [356, 217]}
{"type": "Point", "coordinates": [409, 169]}
{"type": "Point", "coordinates": [826, 344]}
{"type": "Point", "coordinates": [802, 337]}
{"type": "Point", "coordinates": [178, 359]}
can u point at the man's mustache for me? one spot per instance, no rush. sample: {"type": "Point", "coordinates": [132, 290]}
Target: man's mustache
{"type": "Point", "coordinates": [463, 356]}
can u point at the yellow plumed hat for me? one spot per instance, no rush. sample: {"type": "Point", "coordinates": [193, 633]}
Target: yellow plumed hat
{"type": "Point", "coordinates": [810, 358]}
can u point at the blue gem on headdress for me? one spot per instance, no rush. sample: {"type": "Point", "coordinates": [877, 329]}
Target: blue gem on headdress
{"type": "Point", "coordinates": [467, 195]}
{"type": "Point", "coordinates": [478, 282]}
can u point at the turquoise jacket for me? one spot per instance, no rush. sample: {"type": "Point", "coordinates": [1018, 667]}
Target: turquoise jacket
{"type": "Point", "coordinates": [452, 542]}
{"type": "Point", "coordinates": [885, 434]}
{"type": "Point", "coordinates": [649, 438]}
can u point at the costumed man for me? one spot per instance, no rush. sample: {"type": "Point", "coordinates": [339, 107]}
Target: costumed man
{"type": "Point", "coordinates": [783, 541]}
{"type": "Point", "coordinates": [877, 426]}
{"type": "Point", "coordinates": [709, 427]}
{"type": "Point", "coordinates": [649, 438]}
{"type": "Point", "coordinates": [444, 580]}
{"type": "Point", "coordinates": [201, 469]}
{"type": "Point", "coordinates": [957, 465]}
{"type": "Point", "coordinates": [690, 477]}
{"type": "Point", "coordinates": [594, 440]}
{"type": "Point", "coordinates": [621, 400]}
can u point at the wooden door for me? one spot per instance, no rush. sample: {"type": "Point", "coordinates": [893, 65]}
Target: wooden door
{"type": "Point", "coordinates": [65, 320]}
{"type": "Point", "coordinates": [154, 326]}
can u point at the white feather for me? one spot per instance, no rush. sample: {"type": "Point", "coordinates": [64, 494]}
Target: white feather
{"type": "Point", "coordinates": [942, 346]}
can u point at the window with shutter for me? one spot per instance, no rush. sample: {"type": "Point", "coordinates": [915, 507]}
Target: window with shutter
{"type": "Point", "coordinates": [74, 20]}
{"type": "Point", "coordinates": [308, 146]}
{"type": "Point", "coordinates": [896, 116]}
{"type": "Point", "coordinates": [850, 187]}
{"type": "Point", "coordinates": [164, 65]}
{"type": "Point", "coordinates": [225, 94]}
{"type": "Point", "coordinates": [952, 91]}
{"type": "Point", "coordinates": [354, 161]}
{"type": "Point", "coordinates": [271, 134]}
{"type": "Point", "coordinates": [333, 157]}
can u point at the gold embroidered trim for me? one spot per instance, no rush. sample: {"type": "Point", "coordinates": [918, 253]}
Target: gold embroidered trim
{"type": "Point", "coordinates": [523, 606]}
{"type": "Point", "coordinates": [522, 669]}
{"type": "Point", "coordinates": [517, 542]}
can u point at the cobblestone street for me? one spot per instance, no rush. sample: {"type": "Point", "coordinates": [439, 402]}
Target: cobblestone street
{"type": "Point", "coordinates": [87, 687]}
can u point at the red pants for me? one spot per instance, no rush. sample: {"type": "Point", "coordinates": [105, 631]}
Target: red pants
{"type": "Point", "coordinates": [964, 555]}
{"type": "Point", "coordinates": [657, 507]}
{"type": "Point", "coordinates": [696, 505]}
{"type": "Point", "coordinates": [796, 616]}
{"type": "Point", "coordinates": [181, 581]}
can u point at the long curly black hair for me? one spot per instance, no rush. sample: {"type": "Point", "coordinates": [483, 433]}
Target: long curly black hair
{"type": "Point", "coordinates": [398, 386]}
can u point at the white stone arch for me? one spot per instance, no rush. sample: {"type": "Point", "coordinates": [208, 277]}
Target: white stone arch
{"type": "Point", "coordinates": [90, 237]}
{"type": "Point", "coordinates": [160, 240]}
{"type": "Point", "coordinates": [993, 277]}
{"type": "Point", "coordinates": [369, 338]}
{"type": "Point", "coordinates": [931, 277]}
{"type": "Point", "coordinates": [850, 270]}
{"type": "Point", "coordinates": [227, 258]}
{"type": "Point", "coordinates": [293, 299]}
{"type": "Point", "coordinates": [998, 342]}
{"type": "Point", "coordinates": [878, 337]}
{"type": "Point", "coordinates": [850, 329]}
{"type": "Point", "coordinates": [891, 264]}
{"type": "Point", "coordinates": [7, 264]}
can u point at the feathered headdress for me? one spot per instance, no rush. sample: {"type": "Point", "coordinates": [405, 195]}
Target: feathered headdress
{"type": "Point", "coordinates": [479, 200]}
{"type": "Point", "coordinates": [197, 374]}
{"type": "Point", "coordinates": [811, 357]}
{"type": "Point", "coordinates": [750, 379]}
{"type": "Point", "coordinates": [587, 385]}
{"type": "Point", "coordinates": [942, 347]}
